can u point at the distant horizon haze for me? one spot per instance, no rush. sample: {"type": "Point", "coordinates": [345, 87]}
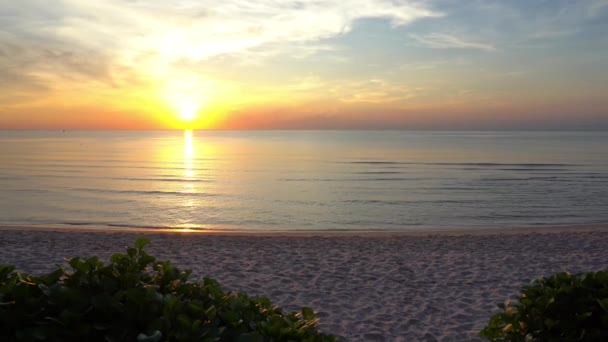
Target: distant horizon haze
{"type": "Point", "coordinates": [591, 123]}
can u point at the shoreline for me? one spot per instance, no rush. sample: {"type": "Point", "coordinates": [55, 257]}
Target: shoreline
{"type": "Point", "coordinates": [457, 231]}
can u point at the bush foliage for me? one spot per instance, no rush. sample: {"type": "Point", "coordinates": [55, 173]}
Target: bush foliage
{"type": "Point", "coordinates": [136, 298]}
{"type": "Point", "coordinates": [562, 307]}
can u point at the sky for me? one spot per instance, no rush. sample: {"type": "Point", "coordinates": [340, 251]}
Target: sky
{"type": "Point", "coordinates": [319, 64]}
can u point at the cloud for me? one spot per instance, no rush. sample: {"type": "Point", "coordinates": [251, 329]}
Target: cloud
{"type": "Point", "coordinates": [524, 24]}
{"type": "Point", "coordinates": [596, 7]}
{"type": "Point", "coordinates": [375, 91]}
{"type": "Point", "coordinates": [446, 41]}
{"type": "Point", "coordinates": [197, 30]}
{"type": "Point", "coordinates": [106, 41]}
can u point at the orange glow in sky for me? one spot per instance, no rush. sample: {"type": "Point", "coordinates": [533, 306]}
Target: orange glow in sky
{"type": "Point", "coordinates": [365, 64]}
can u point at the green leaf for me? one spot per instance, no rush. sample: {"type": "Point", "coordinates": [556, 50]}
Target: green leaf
{"type": "Point", "coordinates": [603, 303]}
{"type": "Point", "coordinates": [132, 252]}
{"type": "Point", "coordinates": [141, 243]}
{"type": "Point", "coordinates": [308, 314]}
{"type": "Point", "coordinates": [6, 270]}
{"type": "Point", "coordinates": [155, 337]}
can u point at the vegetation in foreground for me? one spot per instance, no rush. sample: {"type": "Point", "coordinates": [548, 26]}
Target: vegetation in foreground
{"type": "Point", "coordinates": [563, 307]}
{"type": "Point", "coordinates": [136, 298]}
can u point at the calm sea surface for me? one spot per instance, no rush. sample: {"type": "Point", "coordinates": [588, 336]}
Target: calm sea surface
{"type": "Point", "coordinates": [303, 180]}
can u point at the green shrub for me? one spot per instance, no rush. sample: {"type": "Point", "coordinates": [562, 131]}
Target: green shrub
{"type": "Point", "coordinates": [136, 298]}
{"type": "Point", "coordinates": [562, 307]}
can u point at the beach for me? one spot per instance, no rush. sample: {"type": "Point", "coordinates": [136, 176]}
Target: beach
{"type": "Point", "coordinates": [364, 286]}
{"type": "Point", "coordinates": [400, 167]}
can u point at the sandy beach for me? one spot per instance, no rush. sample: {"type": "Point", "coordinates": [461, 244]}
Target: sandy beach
{"type": "Point", "coordinates": [365, 286]}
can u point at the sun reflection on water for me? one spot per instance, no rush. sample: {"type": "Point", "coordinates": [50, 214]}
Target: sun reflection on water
{"type": "Point", "coordinates": [194, 161]}
{"type": "Point", "coordinates": [189, 171]}
{"type": "Point", "coordinates": [189, 153]}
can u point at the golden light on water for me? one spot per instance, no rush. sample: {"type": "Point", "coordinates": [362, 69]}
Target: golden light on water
{"type": "Point", "coordinates": [189, 172]}
{"type": "Point", "coordinates": [188, 154]}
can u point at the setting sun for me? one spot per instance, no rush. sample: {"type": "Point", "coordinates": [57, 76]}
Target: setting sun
{"type": "Point", "coordinates": [188, 111]}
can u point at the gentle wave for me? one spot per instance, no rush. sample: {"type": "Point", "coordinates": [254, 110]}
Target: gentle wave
{"type": "Point", "coordinates": [146, 192]}
{"type": "Point", "coordinates": [161, 179]}
{"type": "Point", "coordinates": [67, 168]}
{"type": "Point", "coordinates": [356, 179]}
{"type": "Point", "coordinates": [115, 225]}
{"type": "Point", "coordinates": [178, 180]}
{"type": "Point", "coordinates": [532, 170]}
{"type": "Point", "coordinates": [76, 161]}
{"type": "Point", "coordinates": [530, 165]}
{"type": "Point", "coordinates": [402, 202]}
{"type": "Point", "coordinates": [379, 173]}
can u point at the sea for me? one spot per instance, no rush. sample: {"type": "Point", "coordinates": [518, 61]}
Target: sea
{"type": "Point", "coordinates": [303, 180]}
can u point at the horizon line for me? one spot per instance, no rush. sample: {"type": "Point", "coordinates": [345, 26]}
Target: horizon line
{"type": "Point", "coordinates": [298, 129]}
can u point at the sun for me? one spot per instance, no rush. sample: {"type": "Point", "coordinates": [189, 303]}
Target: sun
{"type": "Point", "coordinates": [188, 111]}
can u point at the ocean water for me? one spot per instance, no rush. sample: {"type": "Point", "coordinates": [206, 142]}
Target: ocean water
{"type": "Point", "coordinates": [303, 180]}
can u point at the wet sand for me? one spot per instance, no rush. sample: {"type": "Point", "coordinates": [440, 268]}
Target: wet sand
{"type": "Point", "coordinates": [365, 286]}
